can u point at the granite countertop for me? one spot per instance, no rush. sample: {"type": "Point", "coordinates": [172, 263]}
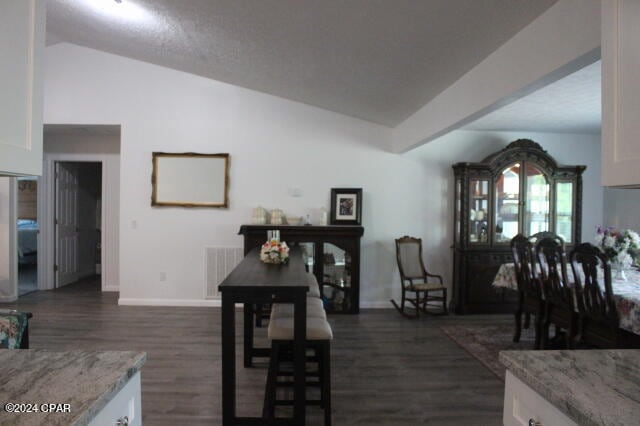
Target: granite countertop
{"type": "Point", "coordinates": [592, 387]}
{"type": "Point", "coordinates": [85, 380]}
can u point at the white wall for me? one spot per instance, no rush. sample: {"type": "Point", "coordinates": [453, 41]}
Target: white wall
{"type": "Point", "coordinates": [472, 146]}
{"type": "Point", "coordinates": [563, 39]}
{"type": "Point", "coordinates": [622, 208]}
{"type": "Point", "coordinates": [87, 147]}
{"type": "Point", "coordinates": [274, 144]}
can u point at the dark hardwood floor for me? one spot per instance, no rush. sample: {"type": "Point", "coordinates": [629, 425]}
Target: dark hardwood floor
{"type": "Point", "coordinates": [387, 370]}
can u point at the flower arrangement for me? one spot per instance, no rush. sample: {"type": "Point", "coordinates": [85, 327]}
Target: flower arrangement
{"type": "Point", "coordinates": [620, 246]}
{"type": "Point", "coordinates": [274, 252]}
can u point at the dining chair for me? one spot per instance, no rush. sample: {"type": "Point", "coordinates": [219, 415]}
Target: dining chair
{"type": "Point", "coordinates": [530, 301]}
{"type": "Point", "coordinates": [14, 329]}
{"type": "Point", "coordinates": [559, 300]}
{"type": "Point", "coordinates": [599, 323]}
{"type": "Point", "coordinates": [545, 234]}
{"type": "Point", "coordinates": [414, 278]}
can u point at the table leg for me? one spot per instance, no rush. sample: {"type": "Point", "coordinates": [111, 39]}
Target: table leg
{"type": "Point", "coordinates": [299, 362]}
{"type": "Point", "coordinates": [228, 361]}
{"type": "Point", "coordinates": [248, 335]}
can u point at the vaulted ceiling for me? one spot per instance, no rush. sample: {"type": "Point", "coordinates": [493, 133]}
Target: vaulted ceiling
{"type": "Point", "coordinates": [569, 105]}
{"type": "Point", "coordinates": [379, 60]}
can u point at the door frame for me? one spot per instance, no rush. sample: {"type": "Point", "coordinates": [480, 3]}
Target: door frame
{"type": "Point", "coordinates": [13, 241]}
{"type": "Point", "coordinates": [47, 227]}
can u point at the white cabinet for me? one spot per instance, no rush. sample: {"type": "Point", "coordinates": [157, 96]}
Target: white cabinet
{"type": "Point", "coordinates": [620, 93]}
{"type": "Point", "coordinates": [523, 406]}
{"type": "Point", "coordinates": [125, 407]}
{"type": "Point", "coordinates": [22, 35]}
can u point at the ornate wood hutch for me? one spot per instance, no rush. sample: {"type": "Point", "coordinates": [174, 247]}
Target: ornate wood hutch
{"type": "Point", "coordinates": [520, 189]}
{"type": "Point", "coordinates": [331, 253]}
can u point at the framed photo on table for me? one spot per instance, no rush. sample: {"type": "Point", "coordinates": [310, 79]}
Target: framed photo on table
{"type": "Point", "coordinates": [346, 206]}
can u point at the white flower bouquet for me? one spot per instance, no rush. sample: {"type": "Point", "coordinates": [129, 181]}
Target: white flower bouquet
{"type": "Point", "coordinates": [620, 246]}
{"type": "Point", "coordinates": [274, 252]}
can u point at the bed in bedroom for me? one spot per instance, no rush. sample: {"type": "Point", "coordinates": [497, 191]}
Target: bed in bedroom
{"type": "Point", "coordinates": [27, 241]}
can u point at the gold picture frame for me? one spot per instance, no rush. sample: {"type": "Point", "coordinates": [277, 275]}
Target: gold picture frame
{"type": "Point", "coordinates": [190, 179]}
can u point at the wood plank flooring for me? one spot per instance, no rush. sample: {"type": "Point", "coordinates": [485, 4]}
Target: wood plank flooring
{"type": "Point", "coordinates": [386, 370]}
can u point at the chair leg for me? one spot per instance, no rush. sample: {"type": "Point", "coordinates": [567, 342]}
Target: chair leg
{"type": "Point", "coordinates": [425, 303]}
{"type": "Point", "coordinates": [518, 323]}
{"type": "Point", "coordinates": [444, 302]}
{"type": "Point", "coordinates": [571, 333]}
{"type": "Point", "coordinates": [544, 328]}
{"type": "Point", "coordinates": [537, 325]}
{"type": "Point", "coordinates": [401, 308]}
{"type": "Point", "coordinates": [268, 409]}
{"type": "Point", "coordinates": [578, 338]}
{"type": "Point", "coordinates": [326, 382]}
{"type": "Point", "coordinates": [24, 344]}
{"type": "Point", "coordinates": [518, 318]}
{"type": "Point", "coordinates": [527, 320]}
{"type": "Point", "coordinates": [318, 352]}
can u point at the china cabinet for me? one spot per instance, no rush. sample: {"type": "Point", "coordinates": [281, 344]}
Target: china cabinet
{"type": "Point", "coordinates": [331, 253]}
{"type": "Point", "coordinates": [520, 189]}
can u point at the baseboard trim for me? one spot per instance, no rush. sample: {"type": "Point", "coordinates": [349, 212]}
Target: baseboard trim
{"type": "Point", "coordinates": [169, 302]}
{"type": "Point", "coordinates": [375, 305]}
{"type": "Point", "coordinates": [8, 299]}
{"type": "Point", "coordinates": [213, 302]}
{"type": "Point", "coordinates": [111, 288]}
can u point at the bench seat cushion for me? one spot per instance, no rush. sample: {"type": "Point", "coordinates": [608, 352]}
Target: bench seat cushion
{"type": "Point", "coordinates": [282, 329]}
{"type": "Point", "coordinates": [285, 310]}
{"type": "Point", "coordinates": [314, 288]}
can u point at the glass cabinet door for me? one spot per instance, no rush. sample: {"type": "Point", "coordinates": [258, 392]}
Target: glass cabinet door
{"type": "Point", "coordinates": [564, 210]}
{"type": "Point", "coordinates": [308, 256]}
{"type": "Point", "coordinates": [478, 211]}
{"type": "Point", "coordinates": [507, 204]}
{"type": "Point", "coordinates": [536, 206]}
{"type": "Point", "coordinates": [336, 280]}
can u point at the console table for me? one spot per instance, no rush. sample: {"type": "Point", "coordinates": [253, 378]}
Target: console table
{"type": "Point", "coordinates": [331, 253]}
{"type": "Point", "coordinates": [254, 282]}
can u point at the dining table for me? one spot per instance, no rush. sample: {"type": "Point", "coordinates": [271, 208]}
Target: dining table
{"type": "Point", "coordinates": [254, 282]}
{"type": "Point", "coordinates": [626, 293]}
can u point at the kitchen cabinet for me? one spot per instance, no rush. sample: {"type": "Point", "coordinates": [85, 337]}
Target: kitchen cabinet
{"type": "Point", "coordinates": [525, 407]}
{"type": "Point", "coordinates": [620, 93]}
{"type": "Point", "coordinates": [22, 37]}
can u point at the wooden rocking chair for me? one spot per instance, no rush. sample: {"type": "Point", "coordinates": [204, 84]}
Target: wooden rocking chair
{"type": "Point", "coordinates": [414, 278]}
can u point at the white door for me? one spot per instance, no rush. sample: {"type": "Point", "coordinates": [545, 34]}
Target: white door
{"type": "Point", "coordinates": [66, 223]}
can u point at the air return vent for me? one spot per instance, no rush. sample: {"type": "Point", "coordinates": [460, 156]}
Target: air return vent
{"type": "Point", "coordinates": [219, 262]}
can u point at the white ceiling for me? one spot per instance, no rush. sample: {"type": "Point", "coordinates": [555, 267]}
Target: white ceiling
{"type": "Point", "coordinates": [569, 105]}
{"type": "Point", "coordinates": [380, 60]}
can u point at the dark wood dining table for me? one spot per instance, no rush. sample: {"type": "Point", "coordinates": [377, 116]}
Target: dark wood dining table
{"type": "Point", "coordinates": [626, 294]}
{"type": "Point", "coordinates": [254, 282]}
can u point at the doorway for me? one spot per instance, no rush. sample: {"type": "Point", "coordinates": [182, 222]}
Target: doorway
{"type": "Point", "coordinates": [77, 223]}
{"type": "Point", "coordinates": [28, 232]}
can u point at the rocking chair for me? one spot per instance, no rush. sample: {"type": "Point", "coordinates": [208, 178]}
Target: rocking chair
{"type": "Point", "coordinates": [414, 278]}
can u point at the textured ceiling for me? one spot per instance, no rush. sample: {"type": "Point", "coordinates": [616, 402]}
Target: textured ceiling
{"type": "Point", "coordinates": [569, 105]}
{"type": "Point", "coordinates": [380, 60]}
